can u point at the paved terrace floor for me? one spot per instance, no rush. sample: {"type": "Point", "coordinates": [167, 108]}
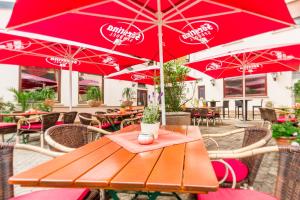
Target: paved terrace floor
{"type": "Point", "coordinates": [264, 182]}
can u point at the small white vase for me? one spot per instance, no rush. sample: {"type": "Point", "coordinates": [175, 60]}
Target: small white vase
{"type": "Point", "coordinates": [150, 129]}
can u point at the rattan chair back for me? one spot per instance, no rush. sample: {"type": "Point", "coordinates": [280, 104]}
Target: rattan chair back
{"type": "Point", "coordinates": [203, 112]}
{"type": "Point", "coordinates": [288, 178]}
{"type": "Point", "coordinates": [69, 117]}
{"type": "Point", "coordinates": [6, 170]}
{"type": "Point", "coordinates": [85, 118]}
{"type": "Point", "coordinates": [251, 136]}
{"type": "Point", "coordinates": [270, 115]}
{"type": "Point", "coordinates": [49, 120]}
{"type": "Point", "coordinates": [71, 135]}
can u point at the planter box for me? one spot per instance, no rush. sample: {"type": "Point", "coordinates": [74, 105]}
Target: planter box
{"type": "Point", "coordinates": [285, 140]}
{"type": "Point", "coordinates": [178, 118]}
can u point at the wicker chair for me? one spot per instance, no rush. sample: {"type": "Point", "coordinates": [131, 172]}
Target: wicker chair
{"type": "Point", "coordinates": [204, 114]}
{"type": "Point", "coordinates": [27, 126]}
{"type": "Point", "coordinates": [6, 171]}
{"type": "Point", "coordinates": [88, 119]}
{"type": "Point", "coordinates": [288, 180]}
{"type": "Point", "coordinates": [69, 117]}
{"type": "Point", "coordinates": [68, 137]}
{"type": "Point", "coordinates": [247, 167]}
{"type": "Point", "coordinates": [6, 128]}
{"type": "Point", "coordinates": [131, 121]}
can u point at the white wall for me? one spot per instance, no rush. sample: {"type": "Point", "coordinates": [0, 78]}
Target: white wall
{"type": "Point", "coordinates": [65, 91]}
{"type": "Point", "coordinates": [9, 78]}
{"type": "Point", "coordinates": [113, 91]}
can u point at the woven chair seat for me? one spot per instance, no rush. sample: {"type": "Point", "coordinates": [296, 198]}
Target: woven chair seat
{"type": "Point", "coordinates": [55, 194]}
{"type": "Point", "coordinates": [240, 169]}
{"type": "Point", "coordinates": [235, 194]}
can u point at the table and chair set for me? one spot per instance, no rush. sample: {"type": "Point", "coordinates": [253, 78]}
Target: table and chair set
{"type": "Point", "coordinates": [90, 164]}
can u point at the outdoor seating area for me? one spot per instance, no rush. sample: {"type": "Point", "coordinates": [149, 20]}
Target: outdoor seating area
{"type": "Point", "coordinates": [149, 99]}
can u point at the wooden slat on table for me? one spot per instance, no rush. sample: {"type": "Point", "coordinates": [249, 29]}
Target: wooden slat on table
{"type": "Point", "coordinates": [167, 172]}
{"type": "Point", "coordinates": [102, 174]}
{"type": "Point", "coordinates": [67, 175]}
{"type": "Point", "coordinates": [135, 173]}
{"type": "Point", "coordinates": [32, 176]}
{"type": "Point", "coordinates": [198, 173]}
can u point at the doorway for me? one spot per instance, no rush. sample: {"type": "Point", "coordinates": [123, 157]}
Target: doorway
{"type": "Point", "coordinates": [201, 92]}
{"type": "Point", "coordinates": [142, 99]}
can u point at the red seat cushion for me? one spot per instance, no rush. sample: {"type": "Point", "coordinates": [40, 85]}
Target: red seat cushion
{"type": "Point", "coordinates": [7, 125]}
{"type": "Point", "coordinates": [196, 115]}
{"type": "Point", "coordinates": [32, 126]}
{"type": "Point", "coordinates": [117, 122]}
{"type": "Point", "coordinates": [59, 123]}
{"type": "Point", "coordinates": [235, 194]}
{"type": "Point", "coordinates": [240, 169]}
{"type": "Point", "coordinates": [55, 194]}
{"type": "Point", "coordinates": [105, 125]}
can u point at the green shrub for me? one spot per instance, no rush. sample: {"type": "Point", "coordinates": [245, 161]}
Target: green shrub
{"type": "Point", "coordinates": [284, 130]}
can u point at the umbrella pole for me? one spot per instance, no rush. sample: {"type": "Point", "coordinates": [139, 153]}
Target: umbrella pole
{"type": "Point", "coordinates": [70, 86]}
{"type": "Point", "coordinates": [244, 95]}
{"type": "Point", "coordinates": [161, 64]}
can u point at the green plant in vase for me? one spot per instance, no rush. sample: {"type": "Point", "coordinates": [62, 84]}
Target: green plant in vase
{"type": "Point", "coordinates": [22, 97]}
{"type": "Point", "coordinates": [94, 96]}
{"type": "Point", "coordinates": [128, 94]}
{"type": "Point", "coordinates": [285, 133]}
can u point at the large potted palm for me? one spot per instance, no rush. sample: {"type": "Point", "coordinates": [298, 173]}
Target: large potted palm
{"type": "Point", "coordinates": [127, 94]}
{"type": "Point", "coordinates": [174, 76]}
{"type": "Point", "coordinates": [94, 96]}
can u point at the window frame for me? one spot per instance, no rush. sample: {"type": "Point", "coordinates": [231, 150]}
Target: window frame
{"type": "Point", "coordinates": [58, 100]}
{"type": "Point", "coordinates": [247, 95]}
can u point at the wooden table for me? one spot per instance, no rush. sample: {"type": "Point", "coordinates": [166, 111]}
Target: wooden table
{"type": "Point", "coordinates": [22, 114]}
{"type": "Point", "coordinates": [105, 164]}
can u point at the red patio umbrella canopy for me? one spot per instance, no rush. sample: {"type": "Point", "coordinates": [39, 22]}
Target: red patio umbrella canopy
{"type": "Point", "coordinates": [131, 26]}
{"type": "Point", "coordinates": [256, 62]}
{"type": "Point", "coordinates": [144, 76]}
{"type": "Point", "coordinates": [31, 52]}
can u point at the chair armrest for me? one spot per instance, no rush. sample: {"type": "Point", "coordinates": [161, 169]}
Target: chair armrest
{"type": "Point", "coordinates": [56, 145]}
{"type": "Point", "coordinates": [129, 120]}
{"type": "Point", "coordinates": [224, 134]}
{"type": "Point", "coordinates": [38, 150]}
{"type": "Point", "coordinates": [98, 130]}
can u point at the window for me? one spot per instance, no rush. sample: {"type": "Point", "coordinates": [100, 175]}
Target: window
{"type": "Point", "coordinates": [201, 92]}
{"type": "Point", "coordinates": [256, 85]}
{"type": "Point", "coordinates": [88, 80]}
{"type": "Point", "coordinates": [32, 78]}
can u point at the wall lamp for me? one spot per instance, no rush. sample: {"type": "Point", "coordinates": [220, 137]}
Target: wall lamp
{"type": "Point", "coordinates": [213, 82]}
{"type": "Point", "coordinates": [274, 76]}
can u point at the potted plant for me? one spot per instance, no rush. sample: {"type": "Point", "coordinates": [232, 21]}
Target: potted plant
{"type": "Point", "coordinates": [22, 98]}
{"type": "Point", "coordinates": [122, 108]}
{"type": "Point", "coordinates": [48, 96]}
{"type": "Point", "coordinates": [174, 76]}
{"type": "Point", "coordinates": [127, 95]}
{"type": "Point", "coordinates": [285, 133]}
{"type": "Point", "coordinates": [94, 96]}
{"type": "Point", "coordinates": [150, 122]}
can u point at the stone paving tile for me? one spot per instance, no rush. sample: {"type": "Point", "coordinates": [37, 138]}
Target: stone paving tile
{"type": "Point", "coordinates": [264, 182]}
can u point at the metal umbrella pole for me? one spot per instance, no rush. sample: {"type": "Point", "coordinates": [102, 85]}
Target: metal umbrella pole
{"type": "Point", "coordinates": [161, 63]}
{"type": "Point", "coordinates": [244, 93]}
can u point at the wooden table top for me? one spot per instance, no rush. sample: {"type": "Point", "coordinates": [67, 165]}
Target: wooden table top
{"type": "Point", "coordinates": [105, 164]}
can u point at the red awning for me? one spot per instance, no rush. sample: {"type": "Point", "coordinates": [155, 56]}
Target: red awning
{"type": "Point", "coordinates": [131, 26]}
{"type": "Point", "coordinates": [32, 52]}
{"type": "Point", "coordinates": [144, 76]}
{"type": "Point", "coordinates": [279, 59]}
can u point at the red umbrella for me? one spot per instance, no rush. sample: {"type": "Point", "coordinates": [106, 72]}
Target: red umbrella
{"type": "Point", "coordinates": [154, 29]}
{"type": "Point", "coordinates": [279, 59]}
{"type": "Point", "coordinates": [144, 76]}
{"type": "Point", "coordinates": [32, 52]}
{"type": "Point", "coordinates": [131, 26]}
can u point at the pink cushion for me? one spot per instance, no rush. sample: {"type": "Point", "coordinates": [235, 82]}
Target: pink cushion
{"type": "Point", "coordinates": [196, 115]}
{"type": "Point", "coordinates": [55, 194]}
{"type": "Point", "coordinates": [105, 125]}
{"type": "Point", "coordinates": [235, 194]}
{"type": "Point", "coordinates": [240, 169]}
{"type": "Point", "coordinates": [7, 125]}
{"type": "Point", "coordinates": [32, 126]}
{"type": "Point", "coordinates": [59, 123]}
{"type": "Point", "coordinates": [117, 122]}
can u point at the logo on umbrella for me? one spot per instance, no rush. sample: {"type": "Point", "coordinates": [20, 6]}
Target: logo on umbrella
{"type": "Point", "coordinates": [199, 32]}
{"type": "Point", "coordinates": [109, 60]}
{"type": "Point", "coordinates": [137, 77]}
{"type": "Point", "coordinates": [280, 55]}
{"type": "Point", "coordinates": [213, 66]}
{"type": "Point", "coordinates": [61, 62]}
{"type": "Point", "coordinates": [15, 45]}
{"type": "Point", "coordinates": [250, 67]}
{"type": "Point", "coordinates": [122, 33]}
